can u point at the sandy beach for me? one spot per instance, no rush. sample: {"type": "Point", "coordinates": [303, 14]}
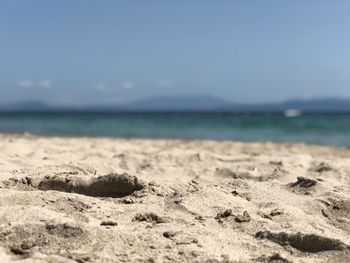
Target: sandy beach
{"type": "Point", "coordinates": [119, 200]}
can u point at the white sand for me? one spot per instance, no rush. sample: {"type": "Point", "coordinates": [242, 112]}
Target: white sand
{"type": "Point", "coordinates": [187, 186]}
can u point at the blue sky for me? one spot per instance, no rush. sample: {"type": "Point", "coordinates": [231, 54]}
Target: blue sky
{"type": "Point", "coordinates": [87, 52]}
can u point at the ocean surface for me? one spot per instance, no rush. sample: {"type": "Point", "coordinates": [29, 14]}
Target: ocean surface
{"type": "Point", "coordinates": [328, 129]}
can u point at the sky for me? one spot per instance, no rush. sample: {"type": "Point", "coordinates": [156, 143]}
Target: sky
{"type": "Point", "coordinates": [85, 52]}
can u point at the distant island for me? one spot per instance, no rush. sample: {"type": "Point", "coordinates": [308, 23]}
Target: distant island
{"type": "Point", "coordinates": [189, 104]}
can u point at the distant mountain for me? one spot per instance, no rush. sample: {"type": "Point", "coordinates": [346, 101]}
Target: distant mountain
{"type": "Point", "coordinates": [180, 103]}
{"type": "Point", "coordinates": [25, 106]}
{"type": "Point", "coordinates": [305, 105]}
{"type": "Point", "coordinates": [325, 104]}
{"type": "Point", "coordinates": [193, 103]}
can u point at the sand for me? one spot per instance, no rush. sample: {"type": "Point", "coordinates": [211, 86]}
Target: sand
{"type": "Point", "coordinates": [118, 200]}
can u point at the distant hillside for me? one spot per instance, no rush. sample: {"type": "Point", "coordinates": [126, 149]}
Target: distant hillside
{"type": "Point", "coordinates": [182, 103]}
{"type": "Point", "coordinates": [194, 103]}
{"type": "Point", "coordinates": [326, 104]}
{"type": "Point", "coordinates": [311, 105]}
{"type": "Point", "coordinates": [25, 106]}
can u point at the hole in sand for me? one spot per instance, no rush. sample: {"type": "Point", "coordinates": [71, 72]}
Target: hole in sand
{"type": "Point", "coordinates": [304, 182]}
{"type": "Point", "coordinates": [111, 185]}
{"type": "Point", "coordinates": [303, 242]}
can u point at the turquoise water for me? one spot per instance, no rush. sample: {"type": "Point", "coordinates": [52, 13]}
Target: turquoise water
{"type": "Point", "coordinates": [329, 129]}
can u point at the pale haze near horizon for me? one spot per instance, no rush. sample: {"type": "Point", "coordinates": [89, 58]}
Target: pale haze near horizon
{"type": "Point", "coordinates": [90, 52]}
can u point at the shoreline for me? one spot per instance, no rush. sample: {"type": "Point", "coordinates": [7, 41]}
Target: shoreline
{"type": "Point", "coordinates": [186, 200]}
{"type": "Point", "coordinates": [162, 139]}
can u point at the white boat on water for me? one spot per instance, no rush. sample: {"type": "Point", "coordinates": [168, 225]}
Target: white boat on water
{"type": "Point", "coordinates": [290, 113]}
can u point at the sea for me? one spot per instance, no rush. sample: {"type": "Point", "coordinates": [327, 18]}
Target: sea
{"type": "Point", "coordinates": [315, 128]}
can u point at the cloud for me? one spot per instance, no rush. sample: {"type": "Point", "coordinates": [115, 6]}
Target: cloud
{"type": "Point", "coordinates": [45, 84]}
{"type": "Point", "coordinates": [101, 86]}
{"type": "Point", "coordinates": [24, 83]}
{"type": "Point", "coordinates": [165, 83]}
{"type": "Point", "coordinates": [128, 85]}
